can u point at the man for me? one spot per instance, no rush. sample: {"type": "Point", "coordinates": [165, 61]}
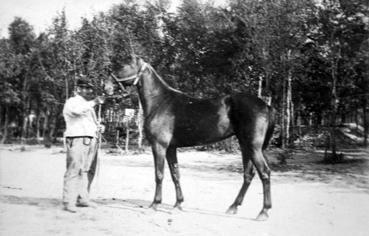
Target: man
{"type": "Point", "coordinates": [82, 132]}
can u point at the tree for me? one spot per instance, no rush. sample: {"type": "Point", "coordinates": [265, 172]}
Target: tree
{"type": "Point", "coordinates": [10, 96]}
{"type": "Point", "coordinates": [276, 31]}
{"type": "Point", "coordinates": [21, 39]}
{"type": "Point", "coordinates": [307, 61]}
{"type": "Point", "coordinates": [56, 61]}
{"type": "Point", "coordinates": [341, 33]}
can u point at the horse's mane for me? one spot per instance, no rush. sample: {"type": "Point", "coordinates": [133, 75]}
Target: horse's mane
{"type": "Point", "coordinates": [166, 85]}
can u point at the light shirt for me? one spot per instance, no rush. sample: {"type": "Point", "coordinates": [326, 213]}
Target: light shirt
{"type": "Point", "coordinates": [80, 117]}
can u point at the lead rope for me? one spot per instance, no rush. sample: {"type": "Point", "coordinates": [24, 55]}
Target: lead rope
{"type": "Point", "coordinates": [98, 164]}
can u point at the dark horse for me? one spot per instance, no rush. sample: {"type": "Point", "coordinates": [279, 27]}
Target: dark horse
{"type": "Point", "coordinates": [173, 119]}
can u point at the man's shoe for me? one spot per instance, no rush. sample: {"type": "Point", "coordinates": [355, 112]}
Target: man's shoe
{"type": "Point", "coordinates": [69, 208]}
{"type": "Point", "coordinates": [86, 204]}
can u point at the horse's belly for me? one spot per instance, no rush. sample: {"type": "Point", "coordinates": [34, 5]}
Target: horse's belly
{"type": "Point", "coordinates": [202, 123]}
{"type": "Point", "coordinates": [205, 132]}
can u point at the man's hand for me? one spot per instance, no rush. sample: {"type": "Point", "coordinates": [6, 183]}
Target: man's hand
{"type": "Point", "coordinates": [99, 100]}
{"type": "Point", "coordinates": [101, 128]}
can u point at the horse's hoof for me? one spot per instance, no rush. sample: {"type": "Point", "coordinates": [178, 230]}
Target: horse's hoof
{"type": "Point", "coordinates": [178, 206]}
{"type": "Point", "coordinates": [232, 210]}
{"type": "Point", "coordinates": [154, 206]}
{"type": "Point", "coordinates": [263, 216]}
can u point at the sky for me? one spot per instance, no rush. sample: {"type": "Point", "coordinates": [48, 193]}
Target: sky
{"type": "Point", "coordinates": [39, 13]}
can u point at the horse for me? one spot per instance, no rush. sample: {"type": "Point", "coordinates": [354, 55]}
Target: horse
{"type": "Point", "coordinates": [173, 119]}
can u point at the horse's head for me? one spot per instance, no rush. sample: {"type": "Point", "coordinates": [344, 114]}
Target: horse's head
{"type": "Point", "coordinates": [128, 74]}
{"type": "Point", "coordinates": [129, 69]}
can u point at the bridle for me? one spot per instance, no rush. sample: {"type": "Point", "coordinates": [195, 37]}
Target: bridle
{"type": "Point", "coordinates": [135, 77]}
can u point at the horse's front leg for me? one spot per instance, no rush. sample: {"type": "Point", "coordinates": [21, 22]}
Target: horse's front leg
{"type": "Point", "coordinates": [174, 171]}
{"type": "Point", "coordinates": [159, 152]}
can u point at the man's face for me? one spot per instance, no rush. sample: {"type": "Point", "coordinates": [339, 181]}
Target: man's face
{"type": "Point", "coordinates": [85, 92]}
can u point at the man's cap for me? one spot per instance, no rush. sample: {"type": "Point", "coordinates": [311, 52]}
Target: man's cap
{"type": "Point", "coordinates": [84, 82]}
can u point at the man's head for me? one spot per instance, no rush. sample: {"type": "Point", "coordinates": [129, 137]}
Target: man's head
{"type": "Point", "coordinates": [84, 88]}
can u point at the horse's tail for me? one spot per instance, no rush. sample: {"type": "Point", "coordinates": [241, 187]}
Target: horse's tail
{"type": "Point", "coordinates": [270, 129]}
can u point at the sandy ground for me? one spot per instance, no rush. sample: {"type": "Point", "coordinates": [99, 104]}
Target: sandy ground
{"type": "Point", "coordinates": [308, 199]}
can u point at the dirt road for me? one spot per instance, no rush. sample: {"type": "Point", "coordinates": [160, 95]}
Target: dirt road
{"type": "Point", "coordinates": [309, 200]}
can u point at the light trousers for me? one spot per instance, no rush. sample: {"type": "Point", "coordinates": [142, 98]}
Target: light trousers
{"type": "Point", "coordinates": [81, 167]}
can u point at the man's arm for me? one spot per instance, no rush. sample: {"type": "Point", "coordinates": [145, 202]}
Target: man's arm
{"type": "Point", "coordinates": [76, 107]}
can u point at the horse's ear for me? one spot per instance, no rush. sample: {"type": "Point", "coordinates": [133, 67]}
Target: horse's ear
{"type": "Point", "coordinates": [140, 61]}
{"type": "Point", "coordinates": [133, 56]}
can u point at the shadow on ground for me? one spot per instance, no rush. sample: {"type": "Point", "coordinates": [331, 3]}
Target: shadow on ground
{"type": "Point", "coordinates": [31, 201]}
{"type": "Point", "coordinates": [143, 207]}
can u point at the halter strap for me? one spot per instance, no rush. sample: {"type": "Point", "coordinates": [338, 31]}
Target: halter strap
{"type": "Point", "coordinates": [135, 77]}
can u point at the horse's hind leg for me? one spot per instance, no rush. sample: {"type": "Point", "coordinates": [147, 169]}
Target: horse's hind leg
{"type": "Point", "coordinates": [251, 141]}
{"type": "Point", "coordinates": [249, 173]}
{"type": "Point", "coordinates": [174, 171]}
{"type": "Point", "coordinates": [159, 153]}
{"type": "Point", "coordinates": [264, 174]}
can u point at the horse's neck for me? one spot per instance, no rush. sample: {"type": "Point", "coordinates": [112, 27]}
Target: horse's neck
{"type": "Point", "coordinates": [153, 91]}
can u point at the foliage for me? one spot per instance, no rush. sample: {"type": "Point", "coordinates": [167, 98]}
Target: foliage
{"type": "Point", "coordinates": [201, 49]}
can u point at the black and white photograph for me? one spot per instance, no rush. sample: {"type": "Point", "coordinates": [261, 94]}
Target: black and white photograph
{"type": "Point", "coordinates": [184, 117]}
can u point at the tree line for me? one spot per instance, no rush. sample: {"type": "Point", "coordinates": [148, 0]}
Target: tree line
{"type": "Point", "coordinates": [307, 58]}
